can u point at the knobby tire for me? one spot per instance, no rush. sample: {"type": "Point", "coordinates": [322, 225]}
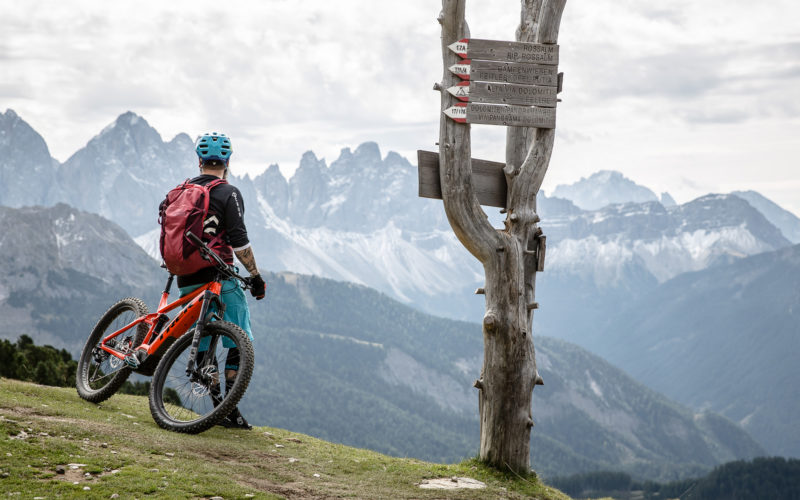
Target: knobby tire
{"type": "Point", "coordinates": [115, 372]}
{"type": "Point", "coordinates": [170, 381]}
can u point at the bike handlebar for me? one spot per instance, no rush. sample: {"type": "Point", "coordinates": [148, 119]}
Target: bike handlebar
{"type": "Point", "coordinates": [220, 264]}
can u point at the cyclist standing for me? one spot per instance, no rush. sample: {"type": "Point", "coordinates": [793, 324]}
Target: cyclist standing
{"type": "Point", "coordinates": [225, 222]}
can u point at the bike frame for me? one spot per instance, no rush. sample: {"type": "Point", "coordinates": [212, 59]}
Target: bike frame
{"type": "Point", "coordinates": [196, 305]}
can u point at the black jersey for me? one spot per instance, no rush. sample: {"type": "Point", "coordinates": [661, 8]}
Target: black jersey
{"type": "Point", "coordinates": [226, 215]}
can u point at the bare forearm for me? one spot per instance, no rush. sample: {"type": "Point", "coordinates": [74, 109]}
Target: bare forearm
{"type": "Point", "coordinates": [248, 260]}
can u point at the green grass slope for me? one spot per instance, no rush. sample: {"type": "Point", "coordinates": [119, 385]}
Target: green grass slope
{"type": "Point", "coordinates": [116, 448]}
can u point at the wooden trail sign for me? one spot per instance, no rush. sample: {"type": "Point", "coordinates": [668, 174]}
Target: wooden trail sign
{"type": "Point", "coordinates": [499, 50]}
{"type": "Point", "coordinates": [502, 114]}
{"type": "Point", "coordinates": [498, 71]}
{"type": "Point", "coordinates": [488, 179]}
{"type": "Point", "coordinates": [505, 93]}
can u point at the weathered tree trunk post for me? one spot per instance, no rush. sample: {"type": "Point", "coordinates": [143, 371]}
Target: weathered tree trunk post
{"type": "Point", "coordinates": [511, 256]}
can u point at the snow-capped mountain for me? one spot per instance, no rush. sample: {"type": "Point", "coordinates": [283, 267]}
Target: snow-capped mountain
{"type": "Point", "coordinates": [359, 219]}
{"type": "Point", "coordinates": [605, 188]}
{"type": "Point", "coordinates": [124, 172]}
{"type": "Point", "coordinates": [349, 364]}
{"type": "Point", "coordinates": [787, 222]}
{"type": "Point", "coordinates": [120, 174]}
{"type": "Point", "coordinates": [710, 230]}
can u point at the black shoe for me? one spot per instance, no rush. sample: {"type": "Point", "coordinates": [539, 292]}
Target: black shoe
{"type": "Point", "coordinates": [235, 421]}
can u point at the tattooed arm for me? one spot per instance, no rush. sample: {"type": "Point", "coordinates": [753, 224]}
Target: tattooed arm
{"type": "Point", "coordinates": [248, 260]}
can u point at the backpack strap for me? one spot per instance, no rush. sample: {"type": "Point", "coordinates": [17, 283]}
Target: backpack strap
{"type": "Point", "coordinates": [211, 185]}
{"type": "Point", "coordinates": [208, 187]}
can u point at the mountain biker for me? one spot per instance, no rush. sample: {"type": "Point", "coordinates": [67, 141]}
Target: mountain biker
{"type": "Point", "coordinates": [225, 218]}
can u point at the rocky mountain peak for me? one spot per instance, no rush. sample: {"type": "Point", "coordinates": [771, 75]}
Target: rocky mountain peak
{"type": "Point", "coordinates": [364, 161]}
{"type": "Point", "coordinates": [273, 188]}
{"type": "Point", "coordinates": [273, 172]}
{"type": "Point", "coordinates": [604, 188]}
{"type": "Point", "coordinates": [127, 168]}
{"type": "Point", "coordinates": [182, 140]}
{"type": "Point", "coordinates": [729, 211]}
{"type": "Point", "coordinates": [368, 152]}
{"type": "Point", "coordinates": [26, 167]}
{"type": "Point", "coordinates": [787, 222]}
{"type": "Point", "coordinates": [667, 200]}
{"type": "Point", "coordinates": [129, 135]}
{"type": "Point", "coordinates": [308, 190]}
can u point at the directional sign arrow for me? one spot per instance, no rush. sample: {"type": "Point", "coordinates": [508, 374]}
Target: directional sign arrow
{"type": "Point", "coordinates": [461, 70]}
{"type": "Point", "coordinates": [457, 112]}
{"type": "Point", "coordinates": [460, 47]}
{"type": "Point", "coordinates": [502, 114]}
{"type": "Point", "coordinates": [499, 50]}
{"type": "Point", "coordinates": [460, 91]}
{"type": "Point", "coordinates": [505, 93]}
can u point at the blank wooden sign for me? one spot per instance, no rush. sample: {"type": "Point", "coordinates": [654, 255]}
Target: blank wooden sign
{"type": "Point", "coordinates": [488, 179]}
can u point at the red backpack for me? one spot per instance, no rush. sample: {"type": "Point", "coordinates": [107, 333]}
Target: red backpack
{"type": "Point", "coordinates": [185, 209]}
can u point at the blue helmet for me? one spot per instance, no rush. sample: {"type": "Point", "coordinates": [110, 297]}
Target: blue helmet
{"type": "Point", "coordinates": [214, 146]}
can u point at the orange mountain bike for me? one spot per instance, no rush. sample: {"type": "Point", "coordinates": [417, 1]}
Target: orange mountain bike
{"type": "Point", "coordinates": [188, 355]}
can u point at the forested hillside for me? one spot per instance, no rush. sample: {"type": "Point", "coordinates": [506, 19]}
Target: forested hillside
{"type": "Point", "coordinates": [760, 479]}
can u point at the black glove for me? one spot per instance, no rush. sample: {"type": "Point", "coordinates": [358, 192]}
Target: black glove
{"type": "Point", "coordinates": [257, 286]}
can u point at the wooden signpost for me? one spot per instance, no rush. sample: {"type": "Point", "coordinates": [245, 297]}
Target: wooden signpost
{"type": "Point", "coordinates": [498, 50]}
{"type": "Point", "coordinates": [502, 114]}
{"type": "Point", "coordinates": [510, 72]}
{"type": "Point", "coordinates": [513, 84]}
{"type": "Point", "coordinates": [505, 93]}
{"type": "Point", "coordinates": [487, 178]}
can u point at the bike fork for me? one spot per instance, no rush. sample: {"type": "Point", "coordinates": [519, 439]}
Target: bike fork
{"type": "Point", "coordinates": [198, 332]}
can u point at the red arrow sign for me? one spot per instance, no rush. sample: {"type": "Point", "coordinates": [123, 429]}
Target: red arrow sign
{"type": "Point", "coordinates": [510, 72]}
{"type": "Point", "coordinates": [460, 47]}
{"type": "Point", "coordinates": [505, 93]}
{"type": "Point", "coordinates": [460, 91]}
{"type": "Point", "coordinates": [458, 112]}
{"type": "Point", "coordinates": [462, 69]}
{"type": "Point", "coordinates": [502, 114]}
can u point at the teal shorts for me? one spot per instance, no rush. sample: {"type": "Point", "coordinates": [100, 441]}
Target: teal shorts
{"type": "Point", "coordinates": [236, 310]}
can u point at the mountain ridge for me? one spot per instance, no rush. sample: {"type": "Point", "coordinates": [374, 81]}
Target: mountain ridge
{"type": "Point", "coordinates": [360, 219]}
{"type": "Point", "coordinates": [349, 364]}
{"type": "Point", "coordinates": [695, 335]}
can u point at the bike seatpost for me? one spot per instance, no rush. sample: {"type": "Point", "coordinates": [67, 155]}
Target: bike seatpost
{"type": "Point", "coordinates": [169, 283]}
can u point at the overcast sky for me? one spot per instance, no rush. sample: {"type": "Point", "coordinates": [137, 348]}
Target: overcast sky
{"type": "Point", "coordinates": [686, 96]}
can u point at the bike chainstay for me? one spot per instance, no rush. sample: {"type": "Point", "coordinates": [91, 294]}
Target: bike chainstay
{"type": "Point", "coordinates": [122, 347]}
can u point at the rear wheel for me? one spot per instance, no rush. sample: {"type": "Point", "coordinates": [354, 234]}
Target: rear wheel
{"type": "Point", "coordinates": [194, 402]}
{"type": "Point", "coordinates": [100, 374]}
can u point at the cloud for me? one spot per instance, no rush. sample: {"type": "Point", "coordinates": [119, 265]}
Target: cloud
{"type": "Point", "coordinates": [643, 81]}
{"type": "Point", "coordinates": [714, 116]}
{"type": "Point", "coordinates": [11, 91]}
{"type": "Point", "coordinates": [108, 98]}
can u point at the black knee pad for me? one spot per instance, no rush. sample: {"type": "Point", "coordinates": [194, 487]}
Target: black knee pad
{"type": "Point", "coordinates": [232, 361]}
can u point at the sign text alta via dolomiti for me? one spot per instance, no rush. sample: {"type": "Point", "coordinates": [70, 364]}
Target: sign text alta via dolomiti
{"type": "Point", "coordinates": [505, 93]}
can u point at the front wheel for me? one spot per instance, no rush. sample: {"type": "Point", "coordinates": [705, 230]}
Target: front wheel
{"type": "Point", "coordinates": [100, 374]}
{"type": "Point", "coordinates": [196, 401]}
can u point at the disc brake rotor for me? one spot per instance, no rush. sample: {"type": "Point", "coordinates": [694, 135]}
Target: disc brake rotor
{"type": "Point", "coordinates": [208, 377]}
